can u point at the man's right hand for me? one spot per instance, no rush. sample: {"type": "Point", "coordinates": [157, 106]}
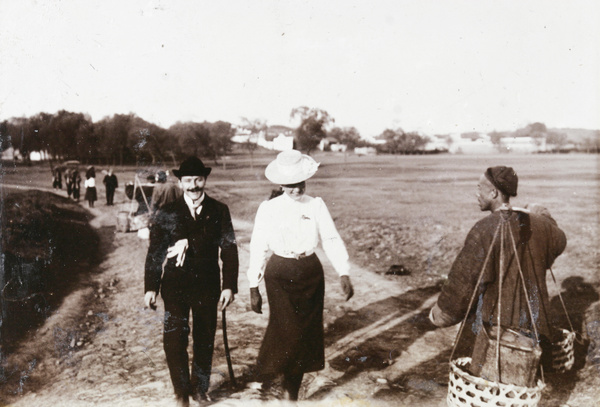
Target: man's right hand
{"type": "Point", "coordinates": [150, 299]}
{"type": "Point", "coordinates": [255, 300]}
{"type": "Point", "coordinates": [178, 250]}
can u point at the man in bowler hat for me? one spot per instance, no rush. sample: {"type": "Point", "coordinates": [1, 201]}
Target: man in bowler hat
{"type": "Point", "coordinates": [183, 263]}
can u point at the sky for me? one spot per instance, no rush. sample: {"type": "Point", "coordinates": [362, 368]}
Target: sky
{"type": "Point", "coordinates": [433, 66]}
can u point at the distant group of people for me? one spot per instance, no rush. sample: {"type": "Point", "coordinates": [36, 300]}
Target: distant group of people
{"type": "Point", "coordinates": [72, 181]}
{"type": "Point", "coordinates": [192, 261]}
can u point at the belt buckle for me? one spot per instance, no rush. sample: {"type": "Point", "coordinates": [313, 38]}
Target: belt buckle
{"type": "Point", "coordinates": [299, 256]}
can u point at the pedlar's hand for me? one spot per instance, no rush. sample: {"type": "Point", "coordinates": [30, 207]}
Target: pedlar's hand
{"type": "Point", "coordinates": [347, 287]}
{"type": "Point", "coordinates": [439, 318]}
{"type": "Point", "coordinates": [255, 300]}
{"type": "Point", "coordinates": [227, 298]}
{"type": "Point", "coordinates": [178, 250]}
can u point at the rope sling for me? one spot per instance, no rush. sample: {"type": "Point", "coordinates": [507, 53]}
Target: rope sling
{"type": "Point", "coordinates": [469, 390]}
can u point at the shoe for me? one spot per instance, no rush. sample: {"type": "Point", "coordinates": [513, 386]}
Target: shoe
{"type": "Point", "coordinates": [201, 397]}
{"type": "Point", "coordinates": [182, 401]}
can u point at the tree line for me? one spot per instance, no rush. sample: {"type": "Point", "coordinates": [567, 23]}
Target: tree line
{"type": "Point", "coordinates": [128, 139]}
{"type": "Point", "coordinates": [116, 140]}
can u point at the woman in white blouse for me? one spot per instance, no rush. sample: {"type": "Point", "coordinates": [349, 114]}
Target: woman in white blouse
{"type": "Point", "coordinates": [286, 233]}
{"type": "Point", "coordinates": [90, 189]}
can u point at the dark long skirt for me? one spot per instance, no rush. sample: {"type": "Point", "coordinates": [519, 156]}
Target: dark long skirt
{"type": "Point", "coordinates": [90, 194]}
{"type": "Point", "coordinates": [293, 342]}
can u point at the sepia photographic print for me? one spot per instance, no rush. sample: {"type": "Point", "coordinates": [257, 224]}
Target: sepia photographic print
{"type": "Point", "coordinates": [299, 203]}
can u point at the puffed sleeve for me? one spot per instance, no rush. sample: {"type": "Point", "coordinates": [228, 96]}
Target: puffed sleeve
{"type": "Point", "coordinates": [332, 242]}
{"type": "Point", "coordinates": [259, 246]}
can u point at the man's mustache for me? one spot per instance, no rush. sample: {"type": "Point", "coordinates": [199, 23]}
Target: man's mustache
{"type": "Point", "coordinates": [194, 189]}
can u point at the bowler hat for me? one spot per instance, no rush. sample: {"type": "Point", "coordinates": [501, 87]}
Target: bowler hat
{"type": "Point", "coordinates": [192, 166]}
{"type": "Point", "coordinates": [291, 167]}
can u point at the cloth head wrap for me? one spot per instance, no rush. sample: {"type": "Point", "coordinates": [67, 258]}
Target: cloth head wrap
{"type": "Point", "coordinates": [504, 179]}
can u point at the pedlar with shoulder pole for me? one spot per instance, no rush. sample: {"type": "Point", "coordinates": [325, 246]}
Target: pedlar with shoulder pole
{"type": "Point", "coordinates": [504, 367]}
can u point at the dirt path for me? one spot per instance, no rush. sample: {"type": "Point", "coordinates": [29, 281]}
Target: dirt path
{"type": "Point", "coordinates": [380, 349]}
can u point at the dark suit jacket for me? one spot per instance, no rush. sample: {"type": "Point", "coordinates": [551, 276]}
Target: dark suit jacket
{"type": "Point", "coordinates": [210, 231]}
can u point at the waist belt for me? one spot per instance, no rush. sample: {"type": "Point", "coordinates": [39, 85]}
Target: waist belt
{"type": "Point", "coordinates": [297, 256]}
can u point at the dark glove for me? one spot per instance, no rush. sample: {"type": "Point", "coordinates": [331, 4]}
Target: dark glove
{"type": "Point", "coordinates": [255, 300]}
{"type": "Point", "coordinates": [347, 287]}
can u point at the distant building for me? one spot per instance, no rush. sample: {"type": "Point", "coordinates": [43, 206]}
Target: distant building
{"type": "Point", "coordinates": [437, 143]}
{"type": "Point", "coordinates": [472, 143]}
{"type": "Point", "coordinates": [241, 135]}
{"type": "Point", "coordinates": [12, 154]}
{"type": "Point", "coordinates": [338, 148]}
{"type": "Point", "coordinates": [277, 138]}
{"type": "Point", "coordinates": [365, 151]}
{"type": "Point", "coordinates": [523, 145]}
{"type": "Point", "coordinates": [326, 142]}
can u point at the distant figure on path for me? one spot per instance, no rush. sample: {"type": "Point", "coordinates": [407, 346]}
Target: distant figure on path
{"type": "Point", "coordinates": [111, 183]}
{"type": "Point", "coordinates": [185, 238]}
{"type": "Point", "coordinates": [539, 242]}
{"type": "Point", "coordinates": [90, 190]}
{"type": "Point", "coordinates": [76, 184]}
{"type": "Point", "coordinates": [164, 191]}
{"type": "Point", "coordinates": [69, 182]}
{"type": "Point", "coordinates": [57, 179]}
{"type": "Point", "coordinates": [290, 226]}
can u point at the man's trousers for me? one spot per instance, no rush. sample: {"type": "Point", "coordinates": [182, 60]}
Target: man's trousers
{"type": "Point", "coordinates": [176, 333]}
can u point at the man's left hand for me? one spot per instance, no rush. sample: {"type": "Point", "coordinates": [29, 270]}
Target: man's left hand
{"type": "Point", "coordinates": [227, 298]}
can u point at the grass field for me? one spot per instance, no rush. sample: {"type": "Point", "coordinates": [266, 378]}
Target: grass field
{"type": "Point", "coordinates": [410, 210]}
{"type": "Point", "coordinates": [413, 211]}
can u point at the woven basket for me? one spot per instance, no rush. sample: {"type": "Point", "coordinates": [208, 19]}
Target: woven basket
{"type": "Point", "coordinates": [465, 390]}
{"type": "Point", "coordinates": [563, 353]}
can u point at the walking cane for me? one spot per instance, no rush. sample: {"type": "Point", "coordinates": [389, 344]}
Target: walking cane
{"type": "Point", "coordinates": [227, 352]}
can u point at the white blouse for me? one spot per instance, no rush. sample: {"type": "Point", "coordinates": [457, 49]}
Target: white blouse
{"type": "Point", "coordinates": [90, 183]}
{"type": "Point", "coordinates": [290, 228]}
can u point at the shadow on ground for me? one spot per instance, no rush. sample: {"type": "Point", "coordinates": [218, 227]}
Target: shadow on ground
{"type": "Point", "coordinates": [48, 251]}
{"type": "Point", "coordinates": [430, 377]}
{"type": "Point", "coordinates": [382, 346]}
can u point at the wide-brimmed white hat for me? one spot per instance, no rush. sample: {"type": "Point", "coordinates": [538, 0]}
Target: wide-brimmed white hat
{"type": "Point", "coordinates": [291, 167]}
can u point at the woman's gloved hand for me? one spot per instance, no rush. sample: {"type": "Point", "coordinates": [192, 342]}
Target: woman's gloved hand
{"type": "Point", "coordinates": [347, 287]}
{"type": "Point", "coordinates": [255, 300]}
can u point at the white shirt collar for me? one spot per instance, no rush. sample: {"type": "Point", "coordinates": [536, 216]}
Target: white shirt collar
{"type": "Point", "coordinates": [190, 204]}
{"type": "Point", "coordinates": [288, 198]}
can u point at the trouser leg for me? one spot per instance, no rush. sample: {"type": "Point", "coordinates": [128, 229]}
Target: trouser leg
{"type": "Point", "coordinates": [291, 385]}
{"type": "Point", "coordinates": [176, 331]}
{"type": "Point", "coordinates": [204, 329]}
